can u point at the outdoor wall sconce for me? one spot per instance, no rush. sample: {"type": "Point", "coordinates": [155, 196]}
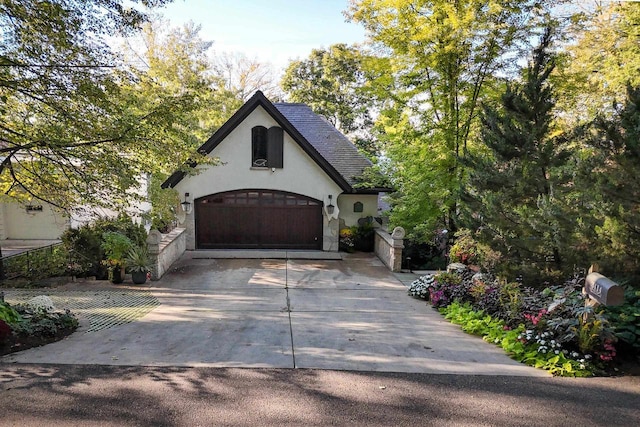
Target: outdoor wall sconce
{"type": "Point", "coordinates": [186, 205]}
{"type": "Point", "coordinates": [330, 206]}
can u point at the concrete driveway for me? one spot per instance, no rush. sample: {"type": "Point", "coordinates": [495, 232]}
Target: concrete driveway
{"type": "Point", "coordinates": [344, 315]}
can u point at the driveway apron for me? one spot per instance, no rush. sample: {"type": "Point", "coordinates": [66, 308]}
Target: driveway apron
{"type": "Point", "coordinates": [345, 315]}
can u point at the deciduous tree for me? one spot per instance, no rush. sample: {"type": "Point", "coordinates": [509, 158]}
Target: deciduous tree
{"type": "Point", "coordinates": [601, 60]}
{"type": "Point", "coordinates": [243, 76]}
{"type": "Point", "coordinates": [175, 78]}
{"type": "Point", "coordinates": [333, 82]}
{"type": "Point", "coordinates": [443, 56]}
{"type": "Point", "coordinates": [67, 136]}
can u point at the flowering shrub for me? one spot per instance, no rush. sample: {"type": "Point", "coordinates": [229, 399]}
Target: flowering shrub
{"type": "Point", "coordinates": [347, 240]}
{"type": "Point", "coordinates": [555, 328]}
{"type": "Point", "coordinates": [420, 287]}
{"type": "Point", "coordinates": [464, 249]}
{"type": "Point", "coordinates": [467, 250]}
{"type": "Point", "coordinates": [41, 302]}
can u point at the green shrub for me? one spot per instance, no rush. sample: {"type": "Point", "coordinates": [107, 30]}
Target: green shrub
{"type": "Point", "coordinates": [85, 249]}
{"type": "Point", "coordinates": [41, 323]}
{"type": "Point", "coordinates": [467, 250]}
{"type": "Point", "coordinates": [85, 243]}
{"type": "Point", "coordinates": [364, 236]}
{"type": "Point", "coordinates": [115, 245]}
{"type": "Point", "coordinates": [425, 255]}
{"type": "Point", "coordinates": [358, 237]}
{"type": "Point", "coordinates": [626, 321]}
{"type": "Point", "coordinates": [40, 263]}
{"type": "Point", "coordinates": [9, 314]}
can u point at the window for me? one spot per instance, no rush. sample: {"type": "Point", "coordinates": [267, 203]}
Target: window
{"type": "Point", "coordinates": [266, 147]}
{"type": "Point", "coordinates": [357, 207]}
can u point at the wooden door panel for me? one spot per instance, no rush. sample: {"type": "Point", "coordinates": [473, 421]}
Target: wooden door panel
{"type": "Point", "coordinates": [258, 219]}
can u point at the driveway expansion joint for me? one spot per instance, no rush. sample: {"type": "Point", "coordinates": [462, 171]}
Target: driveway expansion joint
{"type": "Point", "coordinates": [286, 287]}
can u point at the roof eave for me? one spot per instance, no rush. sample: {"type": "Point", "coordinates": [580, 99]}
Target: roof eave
{"type": "Point", "coordinates": [258, 99]}
{"type": "Point", "coordinates": [372, 190]}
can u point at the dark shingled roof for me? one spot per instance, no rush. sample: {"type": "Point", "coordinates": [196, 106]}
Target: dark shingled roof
{"type": "Point", "coordinates": [326, 139]}
{"type": "Point", "coordinates": [329, 148]}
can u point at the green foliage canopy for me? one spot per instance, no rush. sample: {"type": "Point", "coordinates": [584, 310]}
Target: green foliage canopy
{"type": "Point", "coordinates": [70, 132]}
{"type": "Point", "coordinates": [333, 82]}
{"type": "Point", "coordinates": [441, 59]}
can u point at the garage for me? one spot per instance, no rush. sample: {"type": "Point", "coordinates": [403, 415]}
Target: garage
{"type": "Point", "coordinates": [258, 219]}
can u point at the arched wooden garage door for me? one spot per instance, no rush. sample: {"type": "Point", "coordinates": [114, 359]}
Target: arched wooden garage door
{"type": "Point", "coordinates": [263, 219]}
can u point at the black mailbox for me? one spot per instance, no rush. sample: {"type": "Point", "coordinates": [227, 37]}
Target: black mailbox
{"type": "Point", "coordinates": [603, 290]}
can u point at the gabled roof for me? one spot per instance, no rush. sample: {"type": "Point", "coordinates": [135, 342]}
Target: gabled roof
{"type": "Point", "coordinates": [327, 140]}
{"type": "Point", "coordinates": [327, 146]}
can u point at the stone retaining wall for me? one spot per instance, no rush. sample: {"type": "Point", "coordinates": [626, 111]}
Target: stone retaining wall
{"type": "Point", "coordinates": [388, 247]}
{"type": "Point", "coordinates": [165, 249]}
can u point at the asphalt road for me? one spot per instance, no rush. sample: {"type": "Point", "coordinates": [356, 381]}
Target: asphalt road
{"type": "Point", "coordinates": [75, 395]}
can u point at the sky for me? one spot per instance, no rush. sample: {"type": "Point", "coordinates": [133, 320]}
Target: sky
{"type": "Point", "coordinates": [273, 31]}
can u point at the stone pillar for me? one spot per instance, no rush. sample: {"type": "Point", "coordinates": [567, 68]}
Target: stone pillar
{"type": "Point", "coordinates": [190, 227]}
{"type": "Point", "coordinates": [330, 230]}
{"type": "Point", "coordinates": [188, 222]}
{"type": "Point", "coordinates": [397, 238]}
{"type": "Point", "coordinates": [153, 246]}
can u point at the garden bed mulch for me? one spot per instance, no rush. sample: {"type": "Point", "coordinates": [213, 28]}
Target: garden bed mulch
{"type": "Point", "coordinates": [15, 343]}
{"type": "Point", "coordinates": [628, 367]}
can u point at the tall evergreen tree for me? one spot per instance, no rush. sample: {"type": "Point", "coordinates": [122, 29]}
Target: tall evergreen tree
{"type": "Point", "coordinates": [515, 193]}
{"type": "Point", "coordinates": [610, 169]}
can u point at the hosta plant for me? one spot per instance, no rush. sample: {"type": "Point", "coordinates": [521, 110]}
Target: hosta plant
{"type": "Point", "coordinates": [519, 343]}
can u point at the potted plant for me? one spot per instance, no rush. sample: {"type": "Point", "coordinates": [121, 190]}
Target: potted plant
{"type": "Point", "coordinates": [364, 235]}
{"type": "Point", "coordinates": [139, 264]}
{"type": "Point", "coordinates": [115, 246]}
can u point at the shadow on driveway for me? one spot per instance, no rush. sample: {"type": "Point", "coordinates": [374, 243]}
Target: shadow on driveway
{"type": "Point", "coordinates": [326, 314]}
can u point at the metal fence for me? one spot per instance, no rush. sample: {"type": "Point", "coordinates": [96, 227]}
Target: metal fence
{"type": "Point", "coordinates": [46, 261]}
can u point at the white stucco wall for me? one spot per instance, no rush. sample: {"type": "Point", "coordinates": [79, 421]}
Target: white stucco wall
{"type": "Point", "coordinates": [20, 224]}
{"type": "Point", "coordinates": [137, 209]}
{"type": "Point", "coordinates": [300, 175]}
{"type": "Point", "coordinates": [345, 204]}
